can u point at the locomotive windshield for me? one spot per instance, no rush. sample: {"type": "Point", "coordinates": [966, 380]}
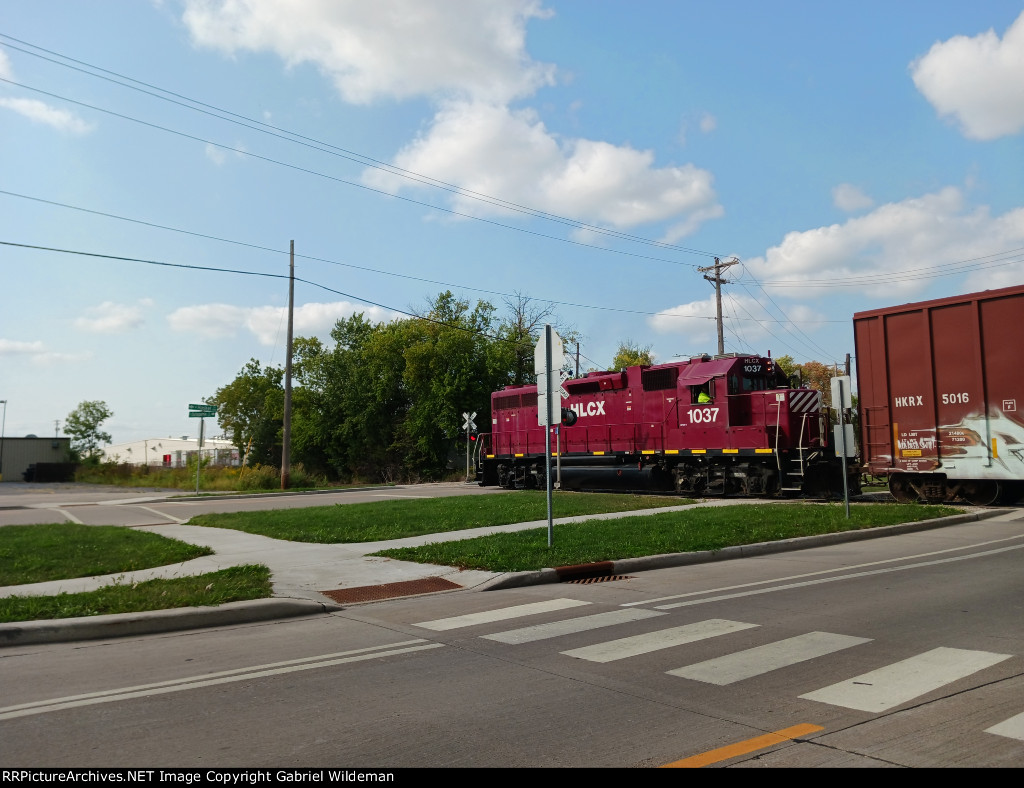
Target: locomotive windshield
{"type": "Point", "coordinates": [753, 376]}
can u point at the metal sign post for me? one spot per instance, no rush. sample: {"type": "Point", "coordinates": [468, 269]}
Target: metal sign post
{"type": "Point", "coordinates": [548, 357]}
{"type": "Point", "coordinates": [841, 400]}
{"type": "Point", "coordinates": [201, 412]}
{"type": "Point", "coordinates": [199, 454]}
{"type": "Point", "coordinates": [548, 396]}
{"type": "Point", "coordinates": [469, 425]}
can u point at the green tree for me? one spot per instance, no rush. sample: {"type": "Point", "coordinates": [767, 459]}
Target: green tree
{"type": "Point", "coordinates": [787, 365]}
{"type": "Point", "coordinates": [83, 425]}
{"type": "Point", "coordinates": [631, 354]}
{"type": "Point", "coordinates": [812, 374]}
{"type": "Point", "coordinates": [251, 409]}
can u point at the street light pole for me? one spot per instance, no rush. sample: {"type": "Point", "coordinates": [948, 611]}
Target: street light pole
{"type": "Point", "coordinates": [3, 423]}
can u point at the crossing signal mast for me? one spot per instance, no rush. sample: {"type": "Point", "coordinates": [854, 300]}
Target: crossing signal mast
{"type": "Point", "coordinates": [718, 281]}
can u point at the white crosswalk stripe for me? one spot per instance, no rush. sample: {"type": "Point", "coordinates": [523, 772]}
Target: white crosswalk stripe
{"type": "Point", "coordinates": [875, 691]}
{"type": "Point", "coordinates": [763, 659]}
{"type": "Point", "coordinates": [1012, 728]}
{"type": "Point", "coordinates": [903, 681]}
{"type": "Point", "coordinates": [571, 625]}
{"type": "Point", "coordinates": [654, 641]}
{"type": "Point", "coordinates": [501, 614]}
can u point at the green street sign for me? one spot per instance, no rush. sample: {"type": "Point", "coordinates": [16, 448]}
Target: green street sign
{"type": "Point", "coordinates": [211, 408]}
{"type": "Point", "coordinates": [201, 414]}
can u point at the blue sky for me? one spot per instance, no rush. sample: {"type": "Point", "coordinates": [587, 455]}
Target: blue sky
{"type": "Point", "coordinates": [850, 156]}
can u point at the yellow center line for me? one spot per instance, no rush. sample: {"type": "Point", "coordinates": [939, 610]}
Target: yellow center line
{"type": "Point", "coordinates": [743, 747]}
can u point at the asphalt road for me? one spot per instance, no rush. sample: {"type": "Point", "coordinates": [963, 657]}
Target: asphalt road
{"type": "Point", "coordinates": [904, 651]}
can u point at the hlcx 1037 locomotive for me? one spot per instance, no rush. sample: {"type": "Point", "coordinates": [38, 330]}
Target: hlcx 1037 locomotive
{"type": "Point", "coordinates": [727, 425]}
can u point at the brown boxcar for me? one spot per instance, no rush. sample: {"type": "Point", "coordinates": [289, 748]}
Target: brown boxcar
{"type": "Point", "coordinates": [941, 393]}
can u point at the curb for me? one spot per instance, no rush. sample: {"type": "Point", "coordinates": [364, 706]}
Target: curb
{"type": "Point", "coordinates": [645, 563]}
{"type": "Point", "coordinates": [232, 613]}
{"type": "Point", "coordinates": [61, 630]}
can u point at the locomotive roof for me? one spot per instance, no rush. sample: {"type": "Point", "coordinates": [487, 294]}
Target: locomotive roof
{"type": "Point", "coordinates": [692, 372]}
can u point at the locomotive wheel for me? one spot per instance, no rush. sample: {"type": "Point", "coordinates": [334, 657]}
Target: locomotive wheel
{"type": "Point", "coordinates": [901, 489]}
{"type": "Point", "coordinates": [983, 492]}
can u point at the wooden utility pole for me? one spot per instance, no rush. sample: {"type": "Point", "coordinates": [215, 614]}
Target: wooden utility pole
{"type": "Point", "coordinates": [718, 267]}
{"type": "Point", "coordinates": [286, 437]}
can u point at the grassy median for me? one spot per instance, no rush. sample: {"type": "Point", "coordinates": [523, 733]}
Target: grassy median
{"type": "Point", "coordinates": [383, 520]}
{"type": "Point", "coordinates": [235, 584]}
{"type": "Point", "coordinates": [59, 551]}
{"type": "Point", "coordinates": [671, 532]}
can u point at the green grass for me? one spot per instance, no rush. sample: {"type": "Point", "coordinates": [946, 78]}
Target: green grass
{"type": "Point", "coordinates": [671, 532]}
{"type": "Point", "coordinates": [59, 551]}
{"type": "Point", "coordinates": [382, 520]}
{"type": "Point", "coordinates": [228, 585]}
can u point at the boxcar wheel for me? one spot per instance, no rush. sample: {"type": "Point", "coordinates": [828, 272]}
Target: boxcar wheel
{"type": "Point", "coordinates": [983, 492]}
{"type": "Point", "coordinates": [901, 489]}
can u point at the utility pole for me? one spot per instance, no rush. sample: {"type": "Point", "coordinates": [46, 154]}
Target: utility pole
{"type": "Point", "coordinates": [718, 267]}
{"type": "Point", "coordinates": [286, 436]}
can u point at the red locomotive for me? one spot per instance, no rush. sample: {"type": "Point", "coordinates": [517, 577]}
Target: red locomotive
{"type": "Point", "coordinates": [728, 425]}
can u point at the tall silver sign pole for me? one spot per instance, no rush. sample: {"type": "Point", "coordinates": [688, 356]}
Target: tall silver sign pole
{"type": "Point", "coordinates": [549, 390]}
{"type": "Point", "coordinates": [842, 431]}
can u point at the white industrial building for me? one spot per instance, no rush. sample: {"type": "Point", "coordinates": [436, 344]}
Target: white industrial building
{"type": "Point", "coordinates": [172, 452]}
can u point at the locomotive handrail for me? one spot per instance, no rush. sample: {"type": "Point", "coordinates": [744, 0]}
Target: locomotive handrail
{"type": "Point", "coordinates": [800, 444]}
{"type": "Point", "coordinates": [778, 418]}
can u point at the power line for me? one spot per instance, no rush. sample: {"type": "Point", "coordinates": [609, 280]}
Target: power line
{"type": "Point", "coordinates": [353, 266]}
{"type": "Point", "coordinates": [1007, 257]}
{"type": "Point", "coordinates": [325, 147]}
{"type": "Point", "coordinates": [336, 179]}
{"type": "Point", "coordinates": [242, 272]}
{"type": "Point", "coordinates": [781, 312]}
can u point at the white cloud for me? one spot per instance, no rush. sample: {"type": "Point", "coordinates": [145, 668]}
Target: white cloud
{"type": "Point", "coordinates": [978, 81]}
{"type": "Point", "coordinates": [218, 154]}
{"type": "Point", "coordinates": [708, 123]}
{"type": "Point", "coordinates": [748, 325]}
{"type": "Point", "coordinates": [111, 318]}
{"type": "Point", "coordinates": [5, 66]}
{"type": "Point", "coordinates": [386, 48]}
{"type": "Point", "coordinates": [40, 112]}
{"type": "Point", "coordinates": [470, 58]}
{"type": "Point", "coordinates": [896, 249]}
{"type": "Point", "coordinates": [215, 154]}
{"type": "Point", "coordinates": [12, 347]}
{"type": "Point", "coordinates": [851, 199]}
{"type": "Point", "coordinates": [494, 150]}
{"type": "Point", "coordinates": [268, 323]}
{"type": "Point", "coordinates": [37, 353]}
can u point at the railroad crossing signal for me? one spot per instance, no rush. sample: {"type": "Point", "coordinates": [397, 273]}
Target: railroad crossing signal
{"type": "Point", "coordinates": [469, 425]}
{"type": "Point", "coordinates": [562, 377]}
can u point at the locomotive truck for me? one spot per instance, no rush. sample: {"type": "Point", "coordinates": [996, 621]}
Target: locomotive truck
{"type": "Point", "coordinates": [724, 425]}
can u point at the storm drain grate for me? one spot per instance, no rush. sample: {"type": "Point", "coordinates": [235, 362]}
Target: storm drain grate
{"type": "Point", "coordinates": [583, 581]}
{"type": "Point", "coordinates": [427, 585]}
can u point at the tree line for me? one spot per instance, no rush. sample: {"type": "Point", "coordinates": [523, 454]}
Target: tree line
{"type": "Point", "coordinates": [385, 400]}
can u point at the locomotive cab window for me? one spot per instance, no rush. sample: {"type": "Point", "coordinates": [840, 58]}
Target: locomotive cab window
{"type": "Point", "coordinates": [703, 394]}
{"type": "Point", "coordinates": [755, 376]}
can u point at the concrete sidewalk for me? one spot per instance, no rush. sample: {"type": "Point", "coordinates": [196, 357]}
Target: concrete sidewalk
{"type": "Point", "coordinates": [302, 572]}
